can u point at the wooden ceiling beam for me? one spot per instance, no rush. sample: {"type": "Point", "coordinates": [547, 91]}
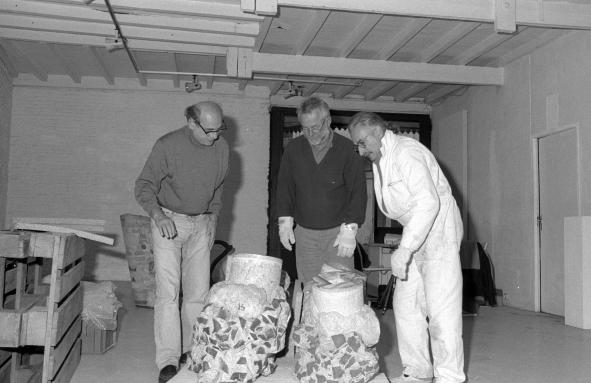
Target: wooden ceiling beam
{"type": "Point", "coordinates": [431, 52]}
{"type": "Point", "coordinates": [547, 13]}
{"type": "Point", "coordinates": [410, 30]}
{"type": "Point", "coordinates": [186, 8]}
{"type": "Point", "coordinates": [91, 15]}
{"type": "Point", "coordinates": [356, 36]}
{"type": "Point", "coordinates": [35, 69]}
{"type": "Point", "coordinates": [43, 24]}
{"type": "Point", "coordinates": [375, 69]}
{"type": "Point", "coordinates": [70, 38]}
{"type": "Point", "coordinates": [102, 65]}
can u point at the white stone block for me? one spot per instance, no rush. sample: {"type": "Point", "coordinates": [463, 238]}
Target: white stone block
{"type": "Point", "coordinates": [577, 271]}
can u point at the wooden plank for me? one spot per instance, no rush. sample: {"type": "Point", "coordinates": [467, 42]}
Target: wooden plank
{"type": "Point", "coordinates": [59, 229]}
{"type": "Point", "coordinates": [24, 244]}
{"type": "Point", "coordinates": [41, 244]}
{"type": "Point", "coordinates": [64, 375]}
{"type": "Point", "coordinates": [14, 244]}
{"type": "Point", "coordinates": [93, 225]}
{"type": "Point", "coordinates": [66, 314]}
{"type": "Point", "coordinates": [72, 248]}
{"type": "Point", "coordinates": [68, 280]}
{"type": "Point", "coordinates": [547, 13]}
{"type": "Point", "coordinates": [10, 322]}
{"type": "Point", "coordinates": [60, 352]}
{"type": "Point", "coordinates": [375, 69]}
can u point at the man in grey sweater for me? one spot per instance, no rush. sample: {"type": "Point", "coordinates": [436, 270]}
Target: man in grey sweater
{"type": "Point", "coordinates": [180, 188]}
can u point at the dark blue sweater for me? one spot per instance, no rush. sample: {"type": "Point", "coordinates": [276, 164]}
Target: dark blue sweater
{"type": "Point", "coordinates": [324, 195]}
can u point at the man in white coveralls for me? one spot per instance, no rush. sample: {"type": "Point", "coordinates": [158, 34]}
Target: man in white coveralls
{"type": "Point", "coordinates": [411, 188]}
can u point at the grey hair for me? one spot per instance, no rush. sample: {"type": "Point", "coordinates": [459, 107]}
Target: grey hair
{"type": "Point", "coordinates": [367, 119]}
{"type": "Point", "coordinates": [311, 104]}
{"type": "Point", "coordinates": [193, 112]}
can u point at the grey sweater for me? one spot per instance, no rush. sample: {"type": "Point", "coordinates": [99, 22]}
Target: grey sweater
{"type": "Point", "coordinates": [183, 175]}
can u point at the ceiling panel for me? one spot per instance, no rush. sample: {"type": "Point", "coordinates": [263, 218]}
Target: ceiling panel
{"type": "Point", "coordinates": [68, 38]}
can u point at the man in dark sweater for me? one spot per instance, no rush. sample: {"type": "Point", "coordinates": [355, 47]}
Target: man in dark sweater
{"type": "Point", "coordinates": [180, 187]}
{"type": "Point", "coordinates": [322, 187]}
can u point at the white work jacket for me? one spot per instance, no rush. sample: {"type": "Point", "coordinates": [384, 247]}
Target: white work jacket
{"type": "Point", "coordinates": [415, 192]}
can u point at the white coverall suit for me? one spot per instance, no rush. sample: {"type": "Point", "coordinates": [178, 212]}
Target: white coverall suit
{"type": "Point", "coordinates": [411, 188]}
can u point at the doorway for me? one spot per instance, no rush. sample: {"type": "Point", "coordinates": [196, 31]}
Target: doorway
{"type": "Point", "coordinates": [558, 197]}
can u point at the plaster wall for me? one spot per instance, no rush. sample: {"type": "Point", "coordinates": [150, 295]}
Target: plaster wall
{"type": "Point", "coordinates": [76, 152]}
{"type": "Point", "coordinates": [501, 124]}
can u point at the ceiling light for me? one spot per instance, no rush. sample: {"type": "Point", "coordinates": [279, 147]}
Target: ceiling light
{"type": "Point", "coordinates": [192, 86]}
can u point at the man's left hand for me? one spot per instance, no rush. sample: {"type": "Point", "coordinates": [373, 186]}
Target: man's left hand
{"type": "Point", "coordinates": [346, 240]}
{"type": "Point", "coordinates": [399, 261]}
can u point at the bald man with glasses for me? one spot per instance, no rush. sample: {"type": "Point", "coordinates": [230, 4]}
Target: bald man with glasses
{"type": "Point", "coordinates": [322, 191]}
{"type": "Point", "coordinates": [180, 187]}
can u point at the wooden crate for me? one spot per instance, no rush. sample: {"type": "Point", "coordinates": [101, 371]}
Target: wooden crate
{"type": "Point", "coordinates": [40, 324]}
{"type": "Point", "coordinates": [96, 340]}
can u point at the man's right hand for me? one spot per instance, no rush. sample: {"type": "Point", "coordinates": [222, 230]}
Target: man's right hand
{"type": "Point", "coordinates": [286, 235]}
{"type": "Point", "coordinates": [165, 224]}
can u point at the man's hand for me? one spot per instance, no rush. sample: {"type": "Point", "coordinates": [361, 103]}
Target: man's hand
{"type": "Point", "coordinates": [399, 260]}
{"type": "Point", "coordinates": [165, 224]}
{"type": "Point", "coordinates": [346, 240]}
{"type": "Point", "coordinates": [286, 232]}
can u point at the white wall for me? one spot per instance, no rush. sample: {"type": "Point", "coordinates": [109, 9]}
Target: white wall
{"type": "Point", "coordinates": [5, 112]}
{"type": "Point", "coordinates": [75, 152]}
{"type": "Point", "coordinates": [501, 124]}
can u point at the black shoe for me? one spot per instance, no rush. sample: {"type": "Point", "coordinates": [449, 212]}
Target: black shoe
{"type": "Point", "coordinates": [185, 357]}
{"type": "Point", "coordinates": [167, 373]}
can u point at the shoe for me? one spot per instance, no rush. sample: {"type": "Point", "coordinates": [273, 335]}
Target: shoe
{"type": "Point", "coordinates": [167, 373]}
{"type": "Point", "coordinates": [185, 357]}
{"type": "Point", "coordinates": [410, 379]}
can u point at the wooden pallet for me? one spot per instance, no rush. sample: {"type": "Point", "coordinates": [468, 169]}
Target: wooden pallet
{"type": "Point", "coordinates": [40, 323]}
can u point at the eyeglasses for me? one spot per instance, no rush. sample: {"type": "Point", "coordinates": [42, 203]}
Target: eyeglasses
{"type": "Point", "coordinates": [219, 130]}
{"type": "Point", "coordinates": [360, 144]}
{"type": "Point", "coordinates": [315, 129]}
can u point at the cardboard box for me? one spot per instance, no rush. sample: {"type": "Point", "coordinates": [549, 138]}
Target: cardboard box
{"type": "Point", "coordinates": [96, 340]}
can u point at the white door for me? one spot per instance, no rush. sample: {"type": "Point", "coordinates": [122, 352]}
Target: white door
{"type": "Point", "coordinates": [558, 187]}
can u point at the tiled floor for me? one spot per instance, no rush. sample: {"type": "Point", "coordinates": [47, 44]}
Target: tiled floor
{"type": "Point", "coordinates": [502, 345]}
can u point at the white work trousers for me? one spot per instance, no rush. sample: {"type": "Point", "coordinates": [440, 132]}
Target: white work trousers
{"type": "Point", "coordinates": [180, 262]}
{"type": "Point", "coordinates": [432, 290]}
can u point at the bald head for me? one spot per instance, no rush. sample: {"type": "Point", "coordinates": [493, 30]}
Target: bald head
{"type": "Point", "coordinates": [204, 112]}
{"type": "Point", "coordinates": [206, 119]}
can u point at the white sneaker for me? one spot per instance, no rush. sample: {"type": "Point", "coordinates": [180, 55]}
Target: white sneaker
{"type": "Point", "coordinates": [410, 379]}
